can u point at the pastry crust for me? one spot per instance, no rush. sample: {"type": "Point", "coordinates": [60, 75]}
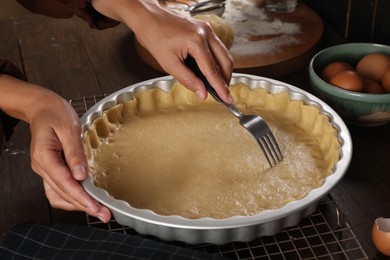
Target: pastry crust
{"type": "Point", "coordinates": [172, 154]}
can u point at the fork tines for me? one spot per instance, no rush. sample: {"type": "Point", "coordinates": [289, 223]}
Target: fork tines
{"type": "Point", "coordinates": [271, 149]}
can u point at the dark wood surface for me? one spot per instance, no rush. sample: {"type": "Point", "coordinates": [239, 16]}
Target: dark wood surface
{"type": "Point", "coordinates": [75, 61]}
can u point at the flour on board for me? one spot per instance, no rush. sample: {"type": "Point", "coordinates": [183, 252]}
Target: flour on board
{"type": "Point", "coordinates": [254, 31]}
{"type": "Point", "coordinates": [250, 22]}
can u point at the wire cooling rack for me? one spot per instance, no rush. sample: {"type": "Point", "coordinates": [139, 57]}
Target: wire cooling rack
{"type": "Point", "coordinates": [325, 234]}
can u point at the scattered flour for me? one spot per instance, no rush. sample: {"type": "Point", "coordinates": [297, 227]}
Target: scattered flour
{"type": "Point", "coordinates": [248, 20]}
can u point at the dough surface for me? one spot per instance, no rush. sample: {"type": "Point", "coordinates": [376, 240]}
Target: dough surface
{"type": "Point", "coordinates": [169, 153]}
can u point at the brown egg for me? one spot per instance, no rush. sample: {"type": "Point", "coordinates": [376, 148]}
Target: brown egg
{"type": "Point", "coordinates": [373, 66]}
{"type": "Point", "coordinates": [334, 68]}
{"type": "Point", "coordinates": [348, 80]}
{"type": "Point", "coordinates": [373, 87]}
{"type": "Point", "coordinates": [386, 81]}
{"type": "Point", "coordinates": [381, 235]}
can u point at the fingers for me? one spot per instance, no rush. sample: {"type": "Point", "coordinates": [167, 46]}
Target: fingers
{"type": "Point", "coordinates": [210, 68]}
{"type": "Point", "coordinates": [212, 57]}
{"type": "Point", "coordinates": [53, 134]}
{"type": "Point", "coordinates": [186, 77]}
{"type": "Point", "coordinates": [223, 59]}
{"type": "Point", "coordinates": [63, 191]}
{"type": "Point", "coordinates": [218, 79]}
{"type": "Point", "coordinates": [216, 63]}
{"type": "Point", "coordinates": [58, 201]}
{"type": "Point", "coordinates": [74, 151]}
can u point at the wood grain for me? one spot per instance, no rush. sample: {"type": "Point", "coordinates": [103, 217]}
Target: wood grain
{"type": "Point", "coordinates": [20, 189]}
{"type": "Point", "coordinates": [75, 61]}
{"type": "Point", "coordinates": [113, 58]}
{"type": "Point", "coordinates": [54, 56]}
{"type": "Point", "coordinates": [309, 36]}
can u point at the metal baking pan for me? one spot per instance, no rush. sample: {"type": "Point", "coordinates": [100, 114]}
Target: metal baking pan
{"type": "Point", "coordinates": [237, 228]}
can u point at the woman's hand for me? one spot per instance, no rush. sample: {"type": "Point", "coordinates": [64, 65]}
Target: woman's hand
{"type": "Point", "coordinates": [56, 148]}
{"type": "Point", "coordinates": [170, 38]}
{"type": "Point", "coordinates": [55, 131]}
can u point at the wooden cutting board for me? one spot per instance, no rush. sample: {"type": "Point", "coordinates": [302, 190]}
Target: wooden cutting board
{"type": "Point", "coordinates": [289, 57]}
{"type": "Point", "coordinates": [276, 54]}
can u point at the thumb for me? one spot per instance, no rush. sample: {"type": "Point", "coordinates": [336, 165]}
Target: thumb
{"type": "Point", "coordinates": [74, 154]}
{"type": "Point", "coordinates": [76, 160]}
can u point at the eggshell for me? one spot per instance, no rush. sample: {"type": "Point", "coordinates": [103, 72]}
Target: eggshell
{"type": "Point", "coordinates": [373, 87]}
{"type": "Point", "coordinates": [373, 66]}
{"type": "Point", "coordinates": [348, 80]}
{"type": "Point", "coordinates": [334, 68]}
{"type": "Point", "coordinates": [381, 235]}
{"type": "Point", "coordinates": [386, 81]}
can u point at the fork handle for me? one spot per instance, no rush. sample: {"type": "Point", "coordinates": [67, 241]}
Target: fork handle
{"type": "Point", "coordinates": [191, 64]}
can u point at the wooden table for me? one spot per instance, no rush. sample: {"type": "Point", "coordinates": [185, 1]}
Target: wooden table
{"type": "Point", "coordinates": [75, 61]}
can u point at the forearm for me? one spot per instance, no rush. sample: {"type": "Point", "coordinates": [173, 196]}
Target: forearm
{"type": "Point", "coordinates": [21, 99]}
{"type": "Point", "coordinates": [183, 36]}
{"type": "Point", "coordinates": [134, 13]}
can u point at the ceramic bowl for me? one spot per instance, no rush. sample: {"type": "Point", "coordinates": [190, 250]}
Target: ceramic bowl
{"type": "Point", "coordinates": [355, 108]}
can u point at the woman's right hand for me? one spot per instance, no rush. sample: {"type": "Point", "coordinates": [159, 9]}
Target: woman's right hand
{"type": "Point", "coordinates": [170, 38]}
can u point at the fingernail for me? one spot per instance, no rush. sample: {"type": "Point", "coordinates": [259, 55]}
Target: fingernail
{"type": "Point", "coordinates": [93, 207]}
{"type": "Point", "coordinates": [230, 98]}
{"type": "Point", "coordinates": [101, 218]}
{"type": "Point", "coordinates": [79, 172]}
{"type": "Point", "coordinates": [199, 94]}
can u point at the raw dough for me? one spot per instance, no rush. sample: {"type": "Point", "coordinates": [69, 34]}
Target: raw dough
{"type": "Point", "coordinates": [174, 155]}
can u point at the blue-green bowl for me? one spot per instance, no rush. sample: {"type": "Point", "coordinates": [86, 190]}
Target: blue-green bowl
{"type": "Point", "coordinates": [356, 108]}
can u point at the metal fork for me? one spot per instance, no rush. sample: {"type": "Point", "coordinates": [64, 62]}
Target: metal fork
{"type": "Point", "coordinates": [253, 123]}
